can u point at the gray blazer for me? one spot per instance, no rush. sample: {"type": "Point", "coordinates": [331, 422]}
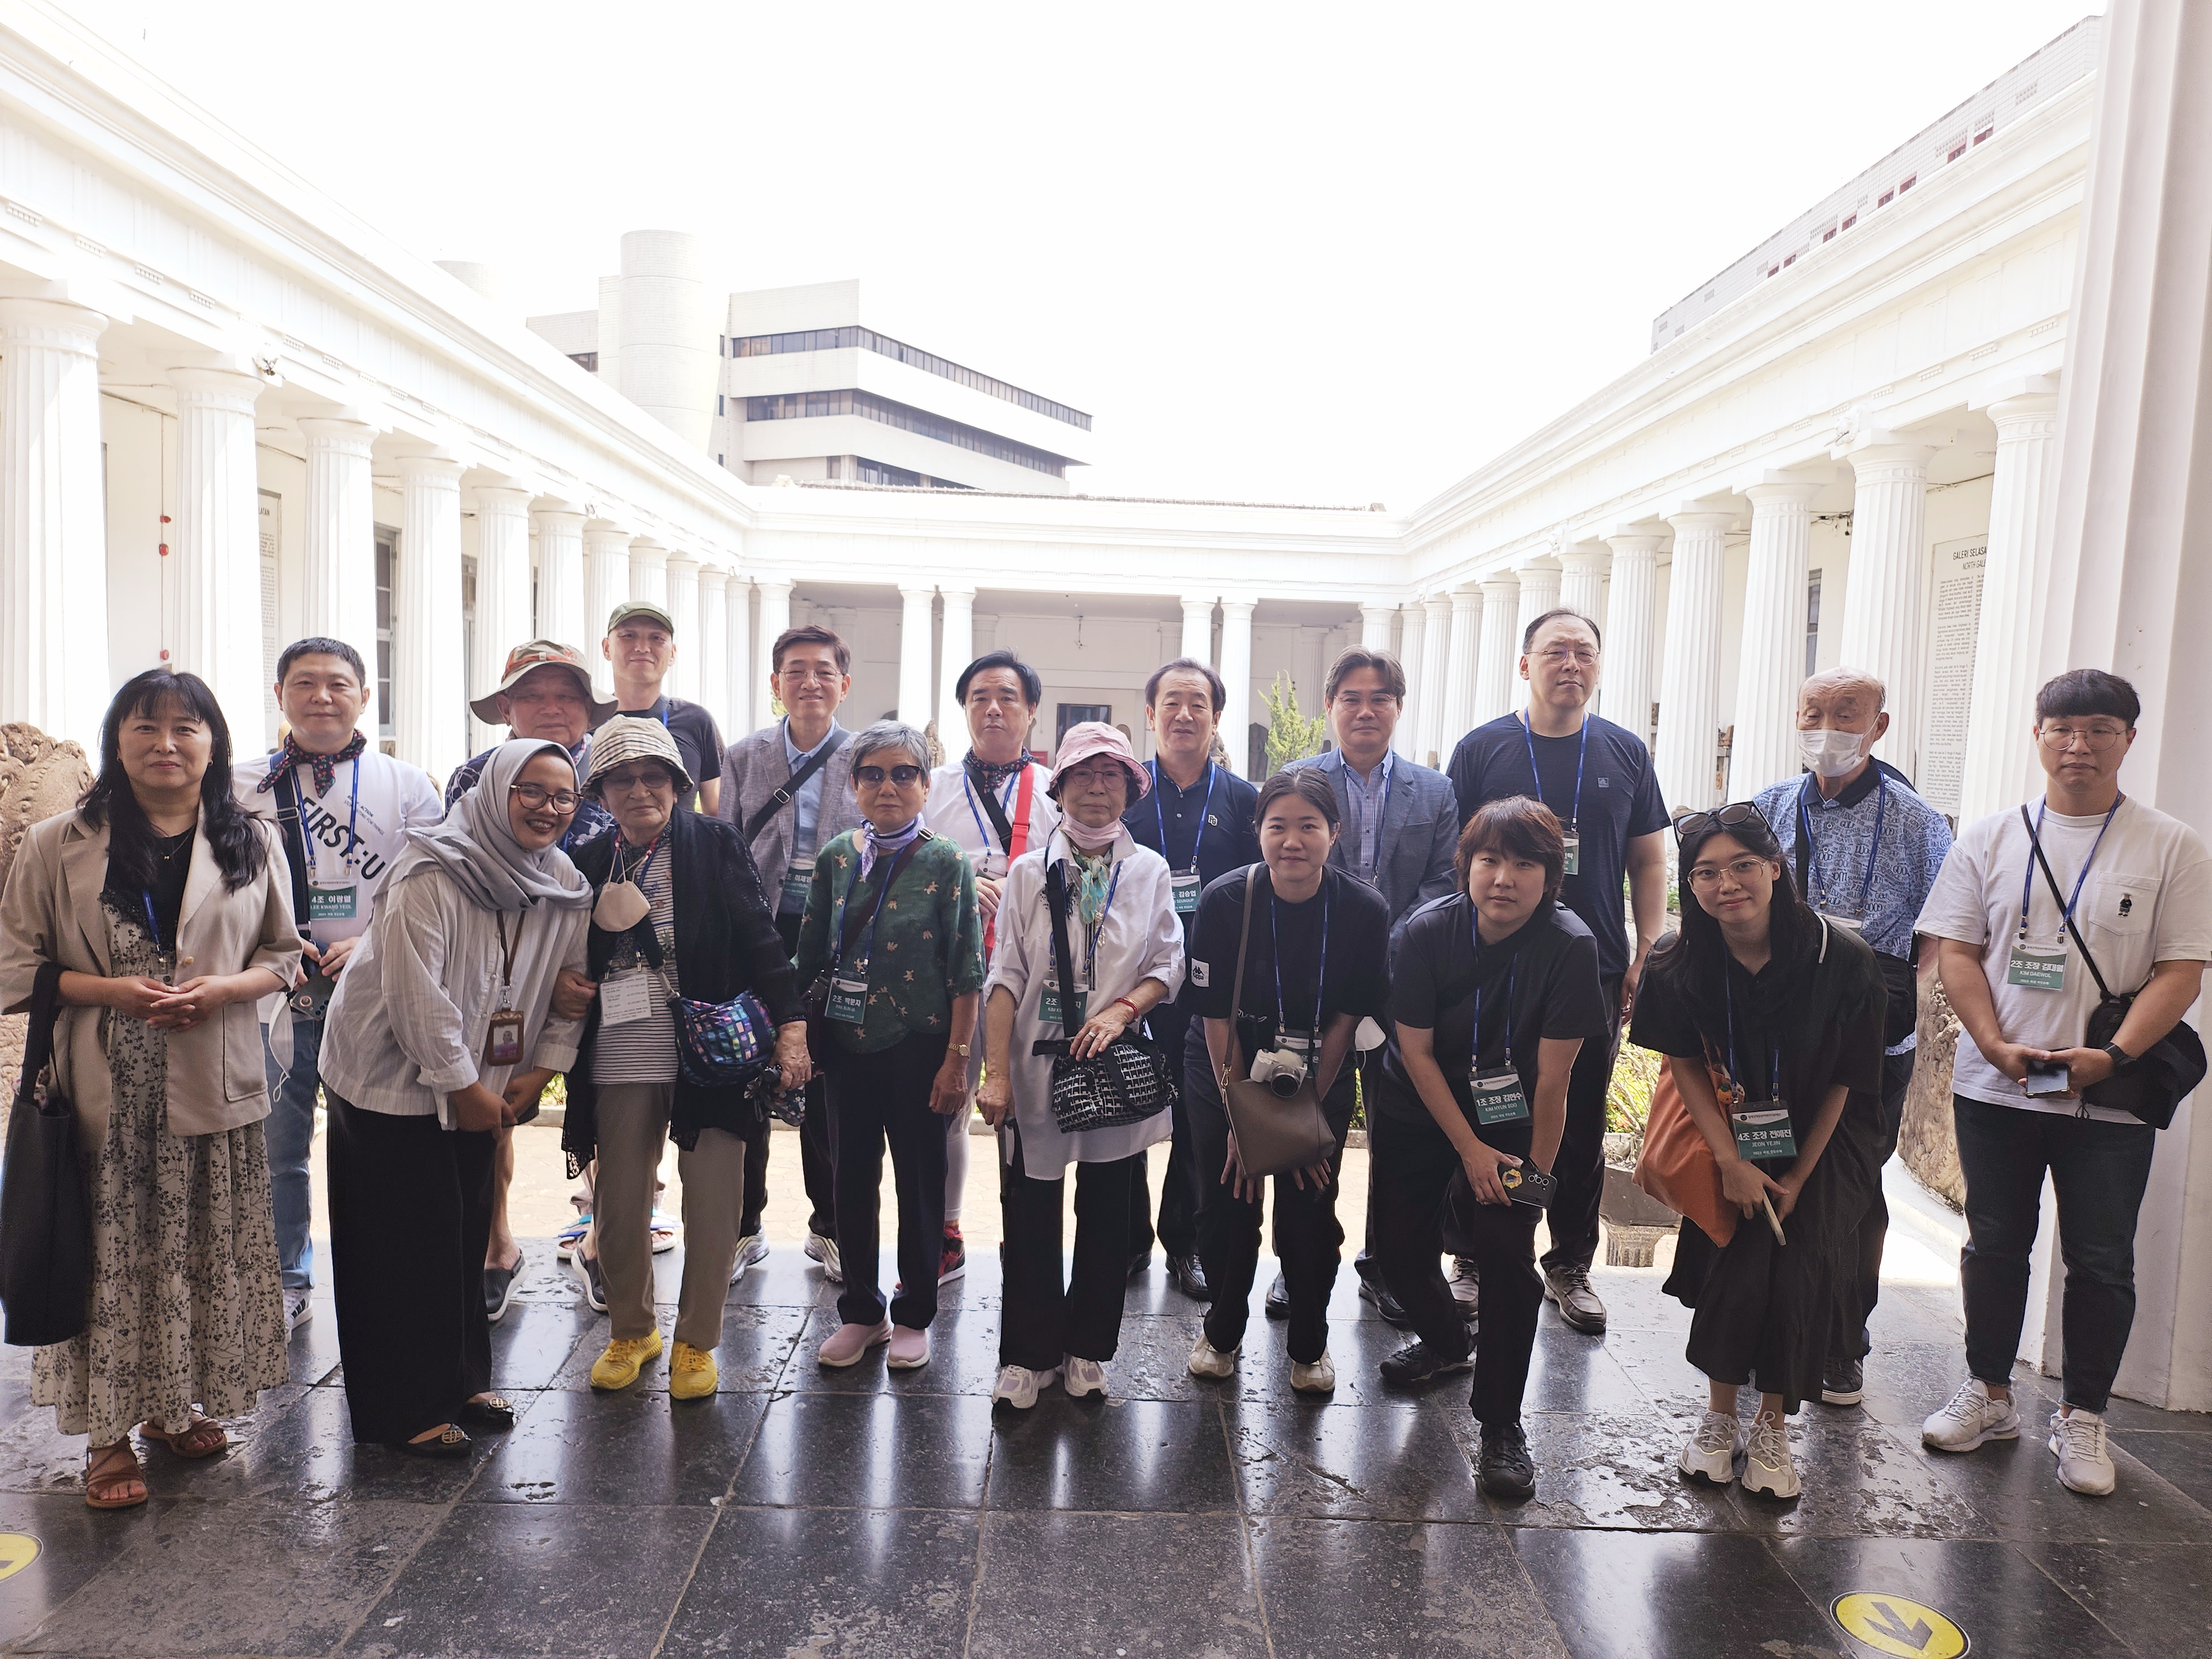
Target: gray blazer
{"type": "Point", "coordinates": [752, 768]}
{"type": "Point", "coordinates": [1419, 834]}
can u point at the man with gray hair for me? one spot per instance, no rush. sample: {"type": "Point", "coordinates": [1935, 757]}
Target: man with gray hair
{"type": "Point", "coordinates": [1866, 850]}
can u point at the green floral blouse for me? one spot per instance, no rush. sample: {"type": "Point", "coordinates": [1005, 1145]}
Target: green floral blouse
{"type": "Point", "coordinates": [928, 944]}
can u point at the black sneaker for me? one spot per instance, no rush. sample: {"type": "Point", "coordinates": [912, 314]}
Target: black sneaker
{"type": "Point", "coordinates": [1388, 1306]}
{"type": "Point", "coordinates": [1186, 1276]}
{"type": "Point", "coordinates": [1418, 1362]}
{"type": "Point", "coordinates": [499, 1288]}
{"type": "Point", "coordinates": [1842, 1383]}
{"type": "Point", "coordinates": [1278, 1299]}
{"type": "Point", "coordinates": [1140, 1264]}
{"type": "Point", "coordinates": [594, 1283]}
{"type": "Point", "coordinates": [1508, 1470]}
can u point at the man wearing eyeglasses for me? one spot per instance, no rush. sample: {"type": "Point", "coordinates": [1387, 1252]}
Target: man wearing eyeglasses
{"type": "Point", "coordinates": [790, 794]}
{"type": "Point", "coordinates": [1865, 849]}
{"type": "Point", "coordinates": [1596, 777]}
{"type": "Point", "coordinates": [2127, 888]}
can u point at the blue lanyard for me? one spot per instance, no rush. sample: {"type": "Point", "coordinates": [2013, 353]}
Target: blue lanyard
{"type": "Point", "coordinates": [152, 927]}
{"type": "Point", "coordinates": [353, 817]}
{"type": "Point", "coordinates": [1512, 971]}
{"type": "Point", "coordinates": [1574, 813]}
{"type": "Point", "coordinates": [636, 878]}
{"type": "Point", "coordinates": [1357, 798]}
{"type": "Point", "coordinates": [1813, 848]}
{"type": "Point", "coordinates": [1275, 950]}
{"type": "Point", "coordinates": [1093, 934]}
{"type": "Point", "coordinates": [2035, 840]}
{"type": "Point", "coordinates": [1736, 1065]}
{"type": "Point", "coordinates": [1007, 801]}
{"type": "Point", "coordinates": [1161, 814]}
{"type": "Point", "coordinates": [837, 922]}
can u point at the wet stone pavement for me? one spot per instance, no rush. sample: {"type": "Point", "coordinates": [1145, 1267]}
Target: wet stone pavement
{"type": "Point", "coordinates": [844, 1514]}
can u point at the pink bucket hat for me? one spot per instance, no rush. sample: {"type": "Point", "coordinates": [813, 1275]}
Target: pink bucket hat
{"type": "Point", "coordinates": [1089, 738]}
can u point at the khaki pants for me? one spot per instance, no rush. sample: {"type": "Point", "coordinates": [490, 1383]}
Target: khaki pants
{"type": "Point", "coordinates": [633, 1125]}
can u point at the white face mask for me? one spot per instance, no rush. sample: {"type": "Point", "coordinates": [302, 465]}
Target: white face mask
{"type": "Point", "coordinates": [1831, 754]}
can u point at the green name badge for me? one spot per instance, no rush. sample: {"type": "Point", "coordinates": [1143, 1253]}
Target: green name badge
{"type": "Point", "coordinates": [1498, 1095]}
{"type": "Point", "coordinates": [1574, 847]}
{"type": "Point", "coordinates": [798, 880]}
{"type": "Point", "coordinates": [1183, 884]}
{"type": "Point", "coordinates": [331, 903]}
{"type": "Point", "coordinates": [2037, 967]}
{"type": "Point", "coordinates": [1049, 1004]}
{"type": "Point", "coordinates": [848, 998]}
{"type": "Point", "coordinates": [1765, 1134]}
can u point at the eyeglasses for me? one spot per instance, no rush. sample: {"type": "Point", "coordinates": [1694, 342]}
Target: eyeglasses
{"type": "Point", "coordinates": [537, 797]}
{"type": "Point", "coordinates": [1745, 870]}
{"type": "Point", "coordinates": [798, 676]}
{"type": "Point", "coordinates": [1560, 655]}
{"type": "Point", "coordinates": [618, 783]}
{"type": "Point", "coordinates": [1732, 816]}
{"type": "Point", "coordinates": [2100, 738]}
{"type": "Point", "coordinates": [902, 777]}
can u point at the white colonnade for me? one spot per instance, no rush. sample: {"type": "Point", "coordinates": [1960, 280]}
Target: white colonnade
{"type": "Point", "coordinates": [1689, 681]}
{"type": "Point", "coordinates": [216, 573]}
{"type": "Point", "coordinates": [1886, 592]}
{"type": "Point", "coordinates": [1770, 662]}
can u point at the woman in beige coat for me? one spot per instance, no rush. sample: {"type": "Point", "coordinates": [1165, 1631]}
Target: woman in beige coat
{"type": "Point", "coordinates": [167, 908]}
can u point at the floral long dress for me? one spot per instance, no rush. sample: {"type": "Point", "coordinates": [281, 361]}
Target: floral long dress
{"type": "Point", "coordinates": [187, 1304]}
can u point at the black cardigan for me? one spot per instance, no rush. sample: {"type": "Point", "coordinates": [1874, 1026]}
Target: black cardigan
{"type": "Point", "coordinates": [726, 943]}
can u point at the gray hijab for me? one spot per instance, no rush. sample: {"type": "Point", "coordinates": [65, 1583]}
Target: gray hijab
{"type": "Point", "coordinates": [476, 848]}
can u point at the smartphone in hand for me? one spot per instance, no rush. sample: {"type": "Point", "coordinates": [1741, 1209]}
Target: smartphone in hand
{"type": "Point", "coordinates": [2046, 1077]}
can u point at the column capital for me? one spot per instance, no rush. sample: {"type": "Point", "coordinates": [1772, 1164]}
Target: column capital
{"type": "Point", "coordinates": [1538, 565]}
{"type": "Point", "coordinates": [1584, 558]}
{"type": "Point", "coordinates": [603, 531]}
{"type": "Point", "coordinates": [56, 325]}
{"type": "Point", "coordinates": [911, 590]}
{"type": "Point", "coordinates": [1780, 485]}
{"type": "Point", "coordinates": [434, 467]}
{"type": "Point", "coordinates": [1464, 599]}
{"type": "Point", "coordinates": [1377, 613]}
{"type": "Point", "coordinates": [1501, 587]}
{"type": "Point", "coordinates": [1233, 605]}
{"type": "Point", "coordinates": [1885, 454]}
{"type": "Point", "coordinates": [217, 387]}
{"type": "Point", "coordinates": [1439, 604]}
{"type": "Point", "coordinates": [774, 586]}
{"type": "Point", "coordinates": [2031, 415]}
{"type": "Point", "coordinates": [678, 565]}
{"type": "Point", "coordinates": [645, 551]}
{"type": "Point", "coordinates": [1193, 602]}
{"type": "Point", "coordinates": [1634, 538]}
{"type": "Point", "coordinates": [958, 593]}
{"type": "Point", "coordinates": [501, 498]}
{"type": "Point", "coordinates": [341, 433]}
{"type": "Point", "coordinates": [1699, 520]}
{"type": "Point", "coordinates": [712, 576]}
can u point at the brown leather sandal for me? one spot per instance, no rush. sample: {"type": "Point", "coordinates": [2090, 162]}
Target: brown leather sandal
{"type": "Point", "coordinates": [201, 1437]}
{"type": "Point", "coordinates": [108, 1475]}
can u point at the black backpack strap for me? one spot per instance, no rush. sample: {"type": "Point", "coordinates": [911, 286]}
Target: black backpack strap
{"type": "Point", "coordinates": [788, 791]}
{"type": "Point", "coordinates": [1055, 896]}
{"type": "Point", "coordinates": [2081, 945]}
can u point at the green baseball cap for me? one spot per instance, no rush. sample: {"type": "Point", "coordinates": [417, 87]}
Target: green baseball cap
{"type": "Point", "coordinates": [628, 607]}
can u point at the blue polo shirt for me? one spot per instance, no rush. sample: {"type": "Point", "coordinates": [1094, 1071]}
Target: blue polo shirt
{"type": "Point", "coordinates": [1180, 826]}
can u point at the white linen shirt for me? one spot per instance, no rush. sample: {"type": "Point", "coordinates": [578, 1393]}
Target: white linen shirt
{"type": "Point", "coordinates": [1142, 939]}
{"type": "Point", "coordinates": [957, 813]}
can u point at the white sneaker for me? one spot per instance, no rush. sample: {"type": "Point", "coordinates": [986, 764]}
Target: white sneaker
{"type": "Point", "coordinates": [298, 1308]}
{"type": "Point", "coordinates": [1018, 1386]}
{"type": "Point", "coordinates": [1969, 1418]}
{"type": "Point", "coordinates": [1466, 1281]}
{"type": "Point", "coordinates": [1080, 1377]}
{"type": "Point", "coordinates": [823, 1249]}
{"type": "Point", "coordinates": [1710, 1454]}
{"type": "Point", "coordinates": [1320, 1378]}
{"type": "Point", "coordinates": [1767, 1465]}
{"type": "Point", "coordinates": [2085, 1463]}
{"type": "Point", "coordinates": [752, 1250]}
{"type": "Point", "coordinates": [1206, 1360]}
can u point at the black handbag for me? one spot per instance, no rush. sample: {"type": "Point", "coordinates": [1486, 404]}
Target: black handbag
{"type": "Point", "coordinates": [45, 1213]}
{"type": "Point", "coordinates": [1126, 1081]}
{"type": "Point", "coordinates": [2152, 1084]}
{"type": "Point", "coordinates": [821, 1047]}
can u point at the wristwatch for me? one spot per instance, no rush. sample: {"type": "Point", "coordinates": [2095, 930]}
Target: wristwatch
{"type": "Point", "coordinates": [959, 1049]}
{"type": "Point", "coordinates": [2119, 1056]}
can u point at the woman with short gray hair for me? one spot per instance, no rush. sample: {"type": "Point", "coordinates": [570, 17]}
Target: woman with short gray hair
{"type": "Point", "coordinates": [892, 946]}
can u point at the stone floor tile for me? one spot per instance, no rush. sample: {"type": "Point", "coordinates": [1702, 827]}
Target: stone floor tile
{"type": "Point", "coordinates": [2183, 1457]}
{"type": "Point", "coordinates": [1153, 1360]}
{"type": "Point", "coordinates": [2155, 1597]}
{"type": "Point", "coordinates": [307, 1453]}
{"type": "Point", "coordinates": [266, 1577]}
{"type": "Point", "coordinates": [756, 1347]}
{"type": "Point", "coordinates": [1380, 1463]}
{"type": "Point", "coordinates": [873, 1451]}
{"type": "Point", "coordinates": [2013, 1485]}
{"type": "Point", "coordinates": [1918, 1313]}
{"type": "Point", "coordinates": [1993, 1592]}
{"type": "Point", "coordinates": [73, 1543]}
{"type": "Point", "coordinates": [1121, 1454]}
{"type": "Point", "coordinates": [35, 1455]}
{"type": "Point", "coordinates": [1571, 1372]}
{"type": "Point", "coordinates": [964, 1358]}
{"type": "Point", "coordinates": [1860, 1479]}
{"type": "Point", "coordinates": [1609, 1470]}
{"type": "Point", "coordinates": [1152, 1293]}
{"type": "Point", "coordinates": [1707, 1594]}
{"type": "Point", "coordinates": [1099, 1584]}
{"type": "Point", "coordinates": [554, 1579]}
{"type": "Point", "coordinates": [1906, 1382]}
{"type": "Point", "coordinates": [2124, 1414]}
{"type": "Point", "coordinates": [626, 1448]}
{"type": "Point", "coordinates": [1358, 1348]}
{"type": "Point", "coordinates": [312, 1352]}
{"type": "Point", "coordinates": [788, 1278]}
{"type": "Point", "coordinates": [830, 1584]}
{"type": "Point", "coordinates": [531, 1345]}
{"type": "Point", "coordinates": [1397, 1590]}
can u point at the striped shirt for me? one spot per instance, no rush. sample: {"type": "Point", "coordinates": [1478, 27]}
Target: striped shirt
{"type": "Point", "coordinates": [644, 1050]}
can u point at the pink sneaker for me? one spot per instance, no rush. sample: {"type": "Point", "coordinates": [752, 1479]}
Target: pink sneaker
{"type": "Point", "coordinates": [851, 1341]}
{"type": "Point", "coordinates": [910, 1349]}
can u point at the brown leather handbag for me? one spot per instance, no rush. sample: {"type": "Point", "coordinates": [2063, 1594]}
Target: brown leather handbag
{"type": "Point", "coordinates": [1678, 1166]}
{"type": "Point", "coordinates": [1275, 1134]}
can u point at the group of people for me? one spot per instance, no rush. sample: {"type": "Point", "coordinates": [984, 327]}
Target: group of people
{"type": "Point", "coordinates": [906, 945]}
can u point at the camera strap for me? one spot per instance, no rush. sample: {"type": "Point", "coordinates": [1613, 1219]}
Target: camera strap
{"type": "Point", "coordinates": [1252, 873]}
{"type": "Point", "coordinates": [295, 847]}
{"type": "Point", "coordinates": [1056, 898]}
{"type": "Point", "coordinates": [2066, 912]}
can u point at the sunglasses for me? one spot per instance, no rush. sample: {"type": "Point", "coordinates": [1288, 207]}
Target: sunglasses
{"type": "Point", "coordinates": [1734, 815]}
{"type": "Point", "coordinates": [902, 777]}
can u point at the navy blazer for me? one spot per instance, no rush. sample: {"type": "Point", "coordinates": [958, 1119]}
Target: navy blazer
{"type": "Point", "coordinates": [1419, 837]}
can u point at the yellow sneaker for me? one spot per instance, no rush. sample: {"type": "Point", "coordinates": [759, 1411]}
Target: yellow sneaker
{"type": "Point", "coordinates": [691, 1373]}
{"type": "Point", "coordinates": [617, 1368]}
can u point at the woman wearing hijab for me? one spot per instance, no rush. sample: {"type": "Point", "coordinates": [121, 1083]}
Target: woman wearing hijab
{"type": "Point", "coordinates": [1125, 950]}
{"type": "Point", "coordinates": [160, 908]}
{"type": "Point", "coordinates": [440, 1033]}
{"type": "Point", "coordinates": [1772, 1023]}
{"type": "Point", "coordinates": [679, 912]}
{"type": "Point", "coordinates": [891, 920]}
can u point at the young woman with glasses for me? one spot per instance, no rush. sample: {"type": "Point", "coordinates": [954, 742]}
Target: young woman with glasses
{"type": "Point", "coordinates": [1772, 1022]}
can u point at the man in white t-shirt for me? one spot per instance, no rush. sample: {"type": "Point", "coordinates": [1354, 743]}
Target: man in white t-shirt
{"type": "Point", "coordinates": [341, 807]}
{"type": "Point", "coordinates": [2137, 887]}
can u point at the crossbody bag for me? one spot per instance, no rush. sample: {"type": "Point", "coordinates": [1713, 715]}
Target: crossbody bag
{"type": "Point", "coordinates": [1126, 1081]}
{"type": "Point", "coordinates": [1275, 1134]}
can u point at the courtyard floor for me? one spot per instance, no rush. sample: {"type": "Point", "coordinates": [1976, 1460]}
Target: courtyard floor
{"type": "Point", "coordinates": [844, 1514]}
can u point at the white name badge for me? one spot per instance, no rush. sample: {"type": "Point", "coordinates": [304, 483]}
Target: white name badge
{"type": "Point", "coordinates": [798, 882]}
{"type": "Point", "coordinates": [1849, 924]}
{"type": "Point", "coordinates": [1498, 1095]}
{"type": "Point", "coordinates": [1183, 885]}
{"type": "Point", "coordinates": [625, 998]}
{"type": "Point", "coordinates": [332, 904]}
{"type": "Point", "coordinates": [2037, 967]}
{"type": "Point", "coordinates": [1574, 847]}
{"type": "Point", "coordinates": [1765, 1134]}
{"type": "Point", "coordinates": [849, 996]}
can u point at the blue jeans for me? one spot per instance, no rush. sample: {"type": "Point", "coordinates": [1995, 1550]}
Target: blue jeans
{"type": "Point", "coordinates": [2100, 1171]}
{"type": "Point", "coordinates": [290, 1131]}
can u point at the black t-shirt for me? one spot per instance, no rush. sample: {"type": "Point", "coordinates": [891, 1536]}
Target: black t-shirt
{"type": "Point", "coordinates": [697, 738]}
{"type": "Point", "coordinates": [1545, 974]}
{"type": "Point", "coordinates": [1358, 978]}
{"type": "Point", "coordinates": [1226, 840]}
{"type": "Point", "coordinates": [1620, 800]}
{"type": "Point", "coordinates": [171, 857]}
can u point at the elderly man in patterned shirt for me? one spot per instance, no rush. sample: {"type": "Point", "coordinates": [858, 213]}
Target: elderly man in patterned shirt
{"type": "Point", "coordinates": [1865, 849]}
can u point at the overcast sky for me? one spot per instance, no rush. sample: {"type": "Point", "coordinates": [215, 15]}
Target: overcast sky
{"type": "Point", "coordinates": [1280, 253]}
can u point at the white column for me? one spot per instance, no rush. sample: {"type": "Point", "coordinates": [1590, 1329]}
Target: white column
{"type": "Point", "coordinates": [1470, 611]}
{"type": "Point", "coordinates": [1437, 733]}
{"type": "Point", "coordinates": [53, 521]}
{"type": "Point", "coordinates": [682, 576]}
{"type": "Point", "coordinates": [218, 547]}
{"type": "Point", "coordinates": [1197, 628]}
{"type": "Point", "coordinates": [430, 709]}
{"type": "Point", "coordinates": [337, 588]}
{"type": "Point", "coordinates": [560, 582]}
{"type": "Point", "coordinates": [1581, 582]}
{"type": "Point", "coordinates": [916, 680]}
{"type": "Point", "coordinates": [710, 669]}
{"type": "Point", "coordinates": [606, 585]}
{"type": "Point", "coordinates": [774, 617]}
{"type": "Point", "coordinates": [1689, 680]}
{"type": "Point", "coordinates": [1411, 658]}
{"type": "Point", "coordinates": [1771, 660]}
{"type": "Point", "coordinates": [2000, 769]}
{"type": "Point", "coordinates": [1539, 592]}
{"type": "Point", "coordinates": [1496, 680]}
{"type": "Point", "coordinates": [648, 572]}
{"type": "Point", "coordinates": [1375, 627]}
{"type": "Point", "coordinates": [1236, 677]}
{"type": "Point", "coordinates": [1628, 689]}
{"type": "Point", "coordinates": [502, 588]}
{"type": "Point", "coordinates": [957, 649]}
{"type": "Point", "coordinates": [745, 694]}
{"type": "Point", "coordinates": [1885, 585]}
